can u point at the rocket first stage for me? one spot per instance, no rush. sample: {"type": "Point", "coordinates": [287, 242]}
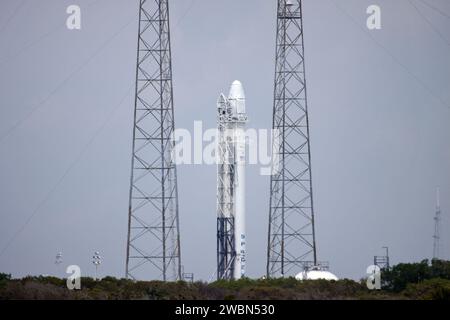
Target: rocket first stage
{"type": "Point", "coordinates": [231, 121]}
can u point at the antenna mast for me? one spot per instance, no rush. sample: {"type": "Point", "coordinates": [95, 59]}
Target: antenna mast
{"type": "Point", "coordinates": [437, 220]}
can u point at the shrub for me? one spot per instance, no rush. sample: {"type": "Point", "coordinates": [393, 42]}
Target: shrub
{"type": "Point", "coordinates": [433, 289]}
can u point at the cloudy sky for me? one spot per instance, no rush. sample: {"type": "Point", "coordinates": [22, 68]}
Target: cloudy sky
{"type": "Point", "coordinates": [379, 113]}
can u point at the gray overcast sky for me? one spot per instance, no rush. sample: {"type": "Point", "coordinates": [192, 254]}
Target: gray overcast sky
{"type": "Point", "coordinates": [379, 112]}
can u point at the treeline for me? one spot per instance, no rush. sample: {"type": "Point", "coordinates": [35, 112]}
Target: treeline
{"type": "Point", "coordinates": [421, 280]}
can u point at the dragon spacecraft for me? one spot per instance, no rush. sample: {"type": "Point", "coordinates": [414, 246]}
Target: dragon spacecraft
{"type": "Point", "coordinates": [231, 122]}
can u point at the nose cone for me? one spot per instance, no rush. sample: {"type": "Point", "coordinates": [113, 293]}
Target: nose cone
{"type": "Point", "coordinates": [236, 91]}
{"type": "Point", "coordinates": [237, 97]}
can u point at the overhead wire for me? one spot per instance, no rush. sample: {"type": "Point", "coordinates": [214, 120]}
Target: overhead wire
{"type": "Point", "coordinates": [392, 56]}
{"type": "Point", "coordinates": [38, 40]}
{"type": "Point", "coordinates": [11, 17]}
{"type": "Point", "coordinates": [435, 9]}
{"type": "Point", "coordinates": [72, 165]}
{"type": "Point", "coordinates": [37, 106]}
{"type": "Point", "coordinates": [49, 194]}
{"type": "Point", "coordinates": [430, 24]}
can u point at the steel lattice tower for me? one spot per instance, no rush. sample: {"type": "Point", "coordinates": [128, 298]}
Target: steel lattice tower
{"type": "Point", "coordinates": [226, 252]}
{"type": "Point", "coordinates": [291, 240]}
{"type": "Point", "coordinates": [437, 220]}
{"type": "Point", "coordinates": [153, 246]}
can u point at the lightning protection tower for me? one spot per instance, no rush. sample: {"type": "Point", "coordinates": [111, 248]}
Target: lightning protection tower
{"type": "Point", "coordinates": [291, 236]}
{"type": "Point", "coordinates": [153, 245]}
{"type": "Point", "coordinates": [437, 220]}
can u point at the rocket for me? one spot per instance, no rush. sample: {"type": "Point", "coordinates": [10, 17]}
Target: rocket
{"type": "Point", "coordinates": [231, 242]}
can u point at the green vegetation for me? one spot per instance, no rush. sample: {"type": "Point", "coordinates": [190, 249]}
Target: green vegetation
{"type": "Point", "coordinates": [403, 281]}
{"type": "Point", "coordinates": [401, 275]}
{"type": "Point", "coordinates": [4, 278]}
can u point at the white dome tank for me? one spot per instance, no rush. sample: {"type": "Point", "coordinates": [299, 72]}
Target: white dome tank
{"type": "Point", "coordinates": [316, 275]}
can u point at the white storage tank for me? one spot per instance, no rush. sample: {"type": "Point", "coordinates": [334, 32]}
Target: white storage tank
{"type": "Point", "coordinates": [316, 274]}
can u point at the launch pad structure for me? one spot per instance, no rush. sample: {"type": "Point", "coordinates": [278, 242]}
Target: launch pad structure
{"type": "Point", "coordinates": [153, 240]}
{"type": "Point", "coordinates": [291, 237]}
{"type": "Point", "coordinates": [231, 242]}
{"type": "Point", "coordinates": [153, 244]}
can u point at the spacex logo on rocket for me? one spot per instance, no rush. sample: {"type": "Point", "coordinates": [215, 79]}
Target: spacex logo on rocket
{"type": "Point", "coordinates": [231, 121]}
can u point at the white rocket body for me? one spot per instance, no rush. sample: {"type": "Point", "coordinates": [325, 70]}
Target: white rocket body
{"type": "Point", "coordinates": [232, 131]}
